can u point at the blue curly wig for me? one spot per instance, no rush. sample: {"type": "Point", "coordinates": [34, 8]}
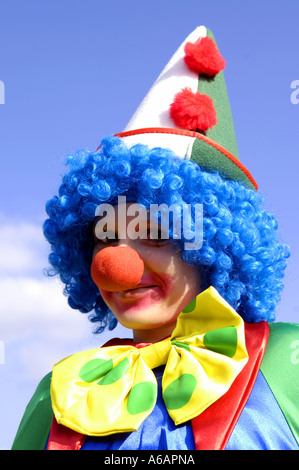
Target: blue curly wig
{"type": "Point", "coordinates": [241, 255]}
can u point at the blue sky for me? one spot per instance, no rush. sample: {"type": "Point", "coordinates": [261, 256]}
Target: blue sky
{"type": "Point", "coordinates": [74, 72]}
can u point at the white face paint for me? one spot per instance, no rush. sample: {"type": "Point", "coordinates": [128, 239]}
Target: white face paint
{"type": "Point", "coordinates": [167, 286]}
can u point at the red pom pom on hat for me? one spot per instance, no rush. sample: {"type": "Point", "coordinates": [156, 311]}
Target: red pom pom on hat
{"type": "Point", "coordinates": [203, 57]}
{"type": "Point", "coordinates": [117, 268]}
{"type": "Point", "coordinates": [193, 111]}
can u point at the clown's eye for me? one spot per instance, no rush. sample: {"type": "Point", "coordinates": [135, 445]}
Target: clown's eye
{"type": "Point", "coordinates": [155, 235]}
{"type": "Point", "coordinates": [158, 234]}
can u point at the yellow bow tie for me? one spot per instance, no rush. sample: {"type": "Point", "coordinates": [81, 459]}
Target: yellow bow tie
{"type": "Point", "coordinates": [113, 389]}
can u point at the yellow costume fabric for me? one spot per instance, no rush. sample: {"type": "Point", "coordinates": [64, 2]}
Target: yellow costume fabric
{"type": "Point", "coordinates": [113, 389]}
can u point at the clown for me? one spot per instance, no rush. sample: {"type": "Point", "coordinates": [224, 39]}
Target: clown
{"type": "Point", "coordinates": [207, 367]}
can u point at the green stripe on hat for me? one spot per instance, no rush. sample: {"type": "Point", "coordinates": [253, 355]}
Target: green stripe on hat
{"type": "Point", "coordinates": [223, 133]}
{"type": "Point", "coordinates": [211, 157]}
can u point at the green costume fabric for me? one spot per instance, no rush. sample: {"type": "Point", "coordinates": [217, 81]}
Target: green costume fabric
{"type": "Point", "coordinates": [36, 423]}
{"type": "Point", "coordinates": [280, 368]}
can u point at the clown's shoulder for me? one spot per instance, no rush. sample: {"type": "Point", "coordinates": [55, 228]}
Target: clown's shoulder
{"type": "Point", "coordinates": [35, 425]}
{"type": "Point", "coordinates": [279, 367]}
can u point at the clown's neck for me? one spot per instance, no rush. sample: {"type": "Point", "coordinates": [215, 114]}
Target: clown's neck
{"type": "Point", "coordinates": [153, 335]}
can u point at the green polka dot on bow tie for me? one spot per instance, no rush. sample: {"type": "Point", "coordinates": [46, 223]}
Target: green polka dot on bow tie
{"type": "Point", "coordinates": [103, 371]}
{"type": "Point", "coordinates": [95, 369]}
{"type": "Point", "coordinates": [190, 307]}
{"type": "Point", "coordinates": [179, 392]}
{"type": "Point", "coordinates": [142, 398]}
{"type": "Point", "coordinates": [116, 373]}
{"type": "Point", "coordinates": [181, 345]}
{"type": "Point", "coordinates": [223, 340]}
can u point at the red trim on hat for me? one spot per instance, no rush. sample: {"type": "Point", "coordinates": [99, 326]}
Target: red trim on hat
{"type": "Point", "coordinates": [183, 132]}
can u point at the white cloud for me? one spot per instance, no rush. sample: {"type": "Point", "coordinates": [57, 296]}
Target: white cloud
{"type": "Point", "coordinates": [27, 301]}
{"type": "Point", "coordinates": [23, 249]}
{"type": "Point", "coordinates": [34, 313]}
{"type": "Point", "coordinates": [37, 327]}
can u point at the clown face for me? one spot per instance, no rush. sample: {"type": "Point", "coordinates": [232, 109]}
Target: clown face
{"type": "Point", "coordinates": [166, 287]}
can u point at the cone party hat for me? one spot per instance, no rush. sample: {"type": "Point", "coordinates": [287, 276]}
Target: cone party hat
{"type": "Point", "coordinates": [187, 110]}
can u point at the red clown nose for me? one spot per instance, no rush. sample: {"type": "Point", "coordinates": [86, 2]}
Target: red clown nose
{"type": "Point", "coordinates": [117, 268]}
